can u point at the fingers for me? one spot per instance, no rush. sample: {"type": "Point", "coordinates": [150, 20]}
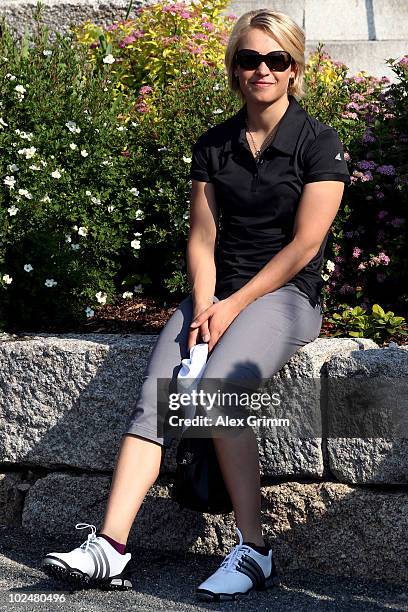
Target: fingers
{"type": "Point", "coordinates": [205, 332]}
{"type": "Point", "coordinates": [192, 339]}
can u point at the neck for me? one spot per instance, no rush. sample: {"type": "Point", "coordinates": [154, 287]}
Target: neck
{"type": "Point", "coordinates": [263, 118]}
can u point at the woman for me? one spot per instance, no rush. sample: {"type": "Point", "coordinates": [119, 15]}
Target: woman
{"type": "Point", "coordinates": [277, 177]}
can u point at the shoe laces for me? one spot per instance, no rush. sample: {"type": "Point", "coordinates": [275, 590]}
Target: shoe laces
{"type": "Point", "coordinates": [232, 559]}
{"type": "Point", "coordinates": [91, 537]}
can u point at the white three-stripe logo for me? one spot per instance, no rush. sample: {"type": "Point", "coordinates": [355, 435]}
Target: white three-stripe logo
{"type": "Point", "coordinates": [338, 156]}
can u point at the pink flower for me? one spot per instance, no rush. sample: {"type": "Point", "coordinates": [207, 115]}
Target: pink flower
{"type": "Point", "coordinates": [384, 258]}
{"type": "Point", "coordinates": [382, 214]}
{"type": "Point", "coordinates": [207, 26]}
{"type": "Point", "coordinates": [379, 195]}
{"type": "Point", "coordinates": [362, 266]}
{"type": "Point", "coordinates": [356, 252]}
{"type": "Point", "coordinates": [145, 89]}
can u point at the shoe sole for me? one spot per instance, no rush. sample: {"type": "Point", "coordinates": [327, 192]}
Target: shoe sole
{"type": "Point", "coordinates": [271, 581]}
{"type": "Point", "coordinates": [76, 577]}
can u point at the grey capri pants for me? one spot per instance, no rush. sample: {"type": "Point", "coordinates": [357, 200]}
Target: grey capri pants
{"type": "Point", "coordinates": [263, 337]}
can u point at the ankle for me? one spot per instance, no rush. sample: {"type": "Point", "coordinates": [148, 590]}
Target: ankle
{"type": "Point", "coordinates": [120, 547]}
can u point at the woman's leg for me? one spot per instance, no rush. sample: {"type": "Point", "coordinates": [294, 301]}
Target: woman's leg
{"type": "Point", "coordinates": [256, 346]}
{"type": "Point", "coordinates": [141, 449]}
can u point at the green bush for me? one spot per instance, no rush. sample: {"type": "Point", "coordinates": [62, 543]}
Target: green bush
{"type": "Point", "coordinates": [377, 325]}
{"type": "Point", "coordinates": [67, 211]}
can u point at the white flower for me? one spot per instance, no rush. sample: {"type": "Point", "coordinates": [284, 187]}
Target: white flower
{"type": "Point", "coordinates": [134, 191]}
{"type": "Point", "coordinates": [135, 244]}
{"type": "Point", "coordinates": [25, 193]}
{"type": "Point", "coordinates": [46, 199]}
{"type": "Point", "coordinates": [7, 279]}
{"type": "Point", "coordinates": [162, 149]}
{"type": "Point", "coordinates": [89, 312]}
{"type": "Point", "coordinates": [13, 168]}
{"type": "Point", "coordinates": [24, 135]}
{"type": "Point", "coordinates": [108, 59]}
{"type": "Point", "coordinates": [187, 160]}
{"type": "Point", "coordinates": [139, 214]}
{"type": "Point", "coordinates": [11, 77]}
{"type": "Point", "coordinates": [111, 208]}
{"type": "Point", "coordinates": [28, 153]}
{"type": "Point", "coordinates": [330, 265]}
{"type": "Point", "coordinates": [218, 111]}
{"type": "Point", "coordinates": [20, 89]}
{"type": "Point", "coordinates": [50, 282]}
{"type": "Point", "coordinates": [47, 52]}
{"type": "Point", "coordinates": [216, 87]}
{"type": "Point", "coordinates": [73, 146]}
{"type": "Point", "coordinates": [28, 267]}
{"type": "Point", "coordinates": [74, 247]}
{"type": "Point", "coordinates": [95, 200]}
{"type": "Point", "coordinates": [137, 234]}
{"type": "Point", "coordinates": [12, 210]}
{"type": "Point", "coordinates": [88, 193]}
{"type": "Point", "coordinates": [75, 228]}
{"type": "Point", "coordinates": [72, 126]}
{"type": "Point", "coordinates": [56, 174]}
{"type": "Point", "coordinates": [84, 153]}
{"type": "Point", "coordinates": [3, 123]}
{"type": "Point", "coordinates": [101, 297]}
{"type": "Point", "coordinates": [68, 238]}
{"type": "Point", "coordinates": [138, 288]}
{"type": "Point", "coordinates": [10, 181]}
{"type": "Point", "coordinates": [325, 277]}
{"type": "Point", "coordinates": [34, 167]}
{"type": "Point", "coordinates": [83, 231]}
{"type": "Point", "coordinates": [121, 128]}
{"type": "Point", "coordinates": [127, 294]}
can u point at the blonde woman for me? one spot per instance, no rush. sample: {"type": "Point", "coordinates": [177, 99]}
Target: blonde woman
{"type": "Point", "coordinates": [276, 175]}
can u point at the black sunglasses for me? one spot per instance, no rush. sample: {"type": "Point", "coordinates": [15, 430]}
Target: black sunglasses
{"type": "Point", "coordinates": [277, 61]}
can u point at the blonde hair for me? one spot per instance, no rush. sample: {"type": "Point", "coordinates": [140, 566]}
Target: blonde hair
{"type": "Point", "coordinates": [283, 29]}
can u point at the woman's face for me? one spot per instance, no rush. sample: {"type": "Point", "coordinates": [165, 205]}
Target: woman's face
{"type": "Point", "coordinates": [259, 41]}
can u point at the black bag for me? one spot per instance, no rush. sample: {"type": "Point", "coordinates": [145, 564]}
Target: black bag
{"type": "Point", "coordinates": [199, 484]}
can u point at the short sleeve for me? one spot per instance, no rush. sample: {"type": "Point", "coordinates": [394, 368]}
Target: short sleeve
{"type": "Point", "coordinates": [200, 167]}
{"type": "Point", "coordinates": [324, 159]}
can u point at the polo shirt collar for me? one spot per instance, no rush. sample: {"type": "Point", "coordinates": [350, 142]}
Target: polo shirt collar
{"type": "Point", "coordinates": [288, 130]}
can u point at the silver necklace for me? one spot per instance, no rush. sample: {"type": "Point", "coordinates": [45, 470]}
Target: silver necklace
{"type": "Point", "coordinates": [267, 140]}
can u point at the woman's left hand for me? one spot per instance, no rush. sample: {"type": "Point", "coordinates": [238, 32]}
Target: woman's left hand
{"type": "Point", "coordinates": [220, 316]}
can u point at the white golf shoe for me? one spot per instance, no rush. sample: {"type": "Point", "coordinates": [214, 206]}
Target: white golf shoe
{"type": "Point", "coordinates": [95, 563]}
{"type": "Point", "coordinates": [243, 570]}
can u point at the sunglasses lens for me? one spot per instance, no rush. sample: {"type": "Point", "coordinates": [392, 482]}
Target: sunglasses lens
{"type": "Point", "coordinates": [276, 61]}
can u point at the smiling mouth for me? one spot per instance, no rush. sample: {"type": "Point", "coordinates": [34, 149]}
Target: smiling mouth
{"type": "Point", "coordinates": [260, 84]}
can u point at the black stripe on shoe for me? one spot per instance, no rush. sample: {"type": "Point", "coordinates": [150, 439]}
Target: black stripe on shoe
{"type": "Point", "coordinates": [99, 551]}
{"type": "Point", "coordinates": [97, 568]}
{"type": "Point", "coordinates": [252, 569]}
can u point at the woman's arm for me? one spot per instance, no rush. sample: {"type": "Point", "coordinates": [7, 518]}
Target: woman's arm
{"type": "Point", "coordinates": [201, 269]}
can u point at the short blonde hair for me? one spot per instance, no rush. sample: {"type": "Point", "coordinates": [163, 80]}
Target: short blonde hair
{"type": "Point", "coordinates": [283, 29]}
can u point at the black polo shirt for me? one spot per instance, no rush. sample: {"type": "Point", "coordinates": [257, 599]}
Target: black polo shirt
{"type": "Point", "coordinates": [257, 201]}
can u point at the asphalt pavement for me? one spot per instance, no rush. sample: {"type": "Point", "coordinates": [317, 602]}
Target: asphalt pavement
{"type": "Point", "coordinates": [167, 581]}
